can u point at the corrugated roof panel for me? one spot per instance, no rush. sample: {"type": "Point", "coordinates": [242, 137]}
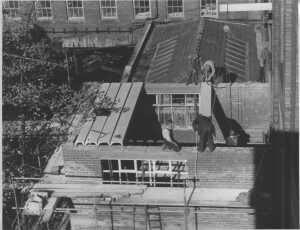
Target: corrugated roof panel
{"type": "Point", "coordinates": [99, 121]}
{"type": "Point", "coordinates": [112, 92]}
{"type": "Point", "coordinates": [87, 126]}
{"type": "Point", "coordinates": [126, 114]}
{"type": "Point", "coordinates": [84, 132]}
{"type": "Point", "coordinates": [112, 120]}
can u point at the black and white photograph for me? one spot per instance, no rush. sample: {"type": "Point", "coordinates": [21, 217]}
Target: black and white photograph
{"type": "Point", "coordinates": [150, 114]}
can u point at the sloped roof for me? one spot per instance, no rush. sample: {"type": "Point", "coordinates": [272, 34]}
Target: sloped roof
{"type": "Point", "coordinates": [111, 128]}
{"type": "Point", "coordinates": [166, 56]}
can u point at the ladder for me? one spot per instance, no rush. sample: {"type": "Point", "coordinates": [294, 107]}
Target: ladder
{"type": "Point", "coordinates": [153, 217]}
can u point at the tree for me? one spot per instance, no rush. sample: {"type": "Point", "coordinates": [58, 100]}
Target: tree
{"type": "Point", "coordinates": [37, 102]}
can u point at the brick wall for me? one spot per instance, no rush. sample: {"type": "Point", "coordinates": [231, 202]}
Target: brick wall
{"type": "Point", "coordinates": [79, 162]}
{"type": "Point", "coordinates": [231, 169]}
{"type": "Point", "coordinates": [125, 11]}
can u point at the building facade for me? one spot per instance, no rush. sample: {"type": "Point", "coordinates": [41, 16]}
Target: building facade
{"type": "Point", "coordinates": [95, 15]}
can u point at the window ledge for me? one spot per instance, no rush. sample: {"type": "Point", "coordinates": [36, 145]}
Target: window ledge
{"type": "Point", "coordinates": [109, 18]}
{"type": "Point", "coordinates": [76, 19]}
{"type": "Point", "coordinates": [44, 18]}
{"type": "Point", "coordinates": [13, 18]}
{"type": "Point", "coordinates": [175, 16]}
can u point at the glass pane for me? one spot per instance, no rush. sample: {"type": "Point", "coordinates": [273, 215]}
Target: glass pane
{"type": "Point", "coordinates": [104, 165]}
{"type": "Point", "coordinates": [178, 99]}
{"type": "Point", "coordinates": [143, 165]}
{"type": "Point", "coordinates": [127, 164]}
{"type": "Point", "coordinates": [128, 177]}
{"type": "Point", "coordinates": [190, 116]}
{"type": "Point", "coordinates": [164, 99]}
{"type": "Point", "coordinates": [179, 117]}
{"type": "Point", "coordinates": [114, 164]}
{"type": "Point", "coordinates": [165, 114]}
{"type": "Point", "coordinates": [162, 165]}
{"type": "Point", "coordinates": [192, 98]}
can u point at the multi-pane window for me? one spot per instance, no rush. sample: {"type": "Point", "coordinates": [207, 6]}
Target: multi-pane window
{"type": "Point", "coordinates": [175, 8]}
{"type": "Point", "coordinates": [12, 8]}
{"type": "Point", "coordinates": [178, 108]}
{"type": "Point", "coordinates": [142, 8]}
{"type": "Point", "coordinates": [43, 8]}
{"type": "Point", "coordinates": [150, 172]}
{"type": "Point", "coordinates": [209, 8]}
{"type": "Point", "coordinates": [108, 8]}
{"type": "Point", "coordinates": [75, 9]}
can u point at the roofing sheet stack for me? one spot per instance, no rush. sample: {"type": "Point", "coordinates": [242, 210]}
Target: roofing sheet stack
{"type": "Point", "coordinates": [111, 128]}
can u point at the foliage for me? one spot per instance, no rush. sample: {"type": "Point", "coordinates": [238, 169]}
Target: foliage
{"type": "Point", "coordinates": [37, 102]}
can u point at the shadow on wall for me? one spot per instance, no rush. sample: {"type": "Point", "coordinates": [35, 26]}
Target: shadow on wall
{"type": "Point", "coordinates": [146, 124]}
{"type": "Point", "coordinates": [227, 125]}
{"type": "Point", "coordinates": [275, 195]}
{"type": "Point", "coordinates": [285, 178]}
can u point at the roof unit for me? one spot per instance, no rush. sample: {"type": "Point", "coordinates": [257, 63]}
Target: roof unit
{"type": "Point", "coordinates": [126, 114]}
{"type": "Point", "coordinates": [98, 123]}
{"type": "Point", "coordinates": [111, 128]}
{"type": "Point", "coordinates": [113, 118]}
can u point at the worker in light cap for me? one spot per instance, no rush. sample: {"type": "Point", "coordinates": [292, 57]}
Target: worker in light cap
{"type": "Point", "coordinates": [167, 134]}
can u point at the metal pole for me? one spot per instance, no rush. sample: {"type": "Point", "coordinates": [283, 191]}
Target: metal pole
{"type": "Point", "coordinates": [185, 208]}
{"type": "Point", "coordinates": [16, 202]}
{"type": "Point", "coordinates": [68, 69]}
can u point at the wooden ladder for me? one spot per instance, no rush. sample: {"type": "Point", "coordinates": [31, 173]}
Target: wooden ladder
{"type": "Point", "coordinates": [153, 217]}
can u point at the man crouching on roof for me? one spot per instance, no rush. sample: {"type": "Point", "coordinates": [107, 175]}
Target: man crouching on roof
{"type": "Point", "coordinates": [167, 133]}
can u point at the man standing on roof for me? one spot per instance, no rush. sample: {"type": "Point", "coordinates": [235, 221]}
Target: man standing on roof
{"type": "Point", "coordinates": [167, 134]}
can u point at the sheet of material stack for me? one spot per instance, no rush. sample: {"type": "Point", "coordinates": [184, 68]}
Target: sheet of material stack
{"type": "Point", "coordinates": [111, 129]}
{"type": "Point", "coordinates": [87, 126]}
{"type": "Point", "coordinates": [126, 114]}
{"type": "Point", "coordinates": [112, 120]}
{"type": "Point", "coordinates": [97, 126]}
{"type": "Point", "coordinates": [162, 58]}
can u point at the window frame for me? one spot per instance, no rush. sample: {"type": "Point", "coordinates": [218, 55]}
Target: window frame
{"type": "Point", "coordinates": [142, 17]}
{"type": "Point", "coordinates": [209, 14]}
{"type": "Point", "coordinates": [108, 17]}
{"type": "Point", "coordinates": [72, 18]}
{"type": "Point", "coordinates": [43, 17]}
{"type": "Point", "coordinates": [175, 15]}
{"type": "Point", "coordinates": [17, 16]}
{"type": "Point", "coordinates": [151, 172]}
{"type": "Point", "coordinates": [186, 105]}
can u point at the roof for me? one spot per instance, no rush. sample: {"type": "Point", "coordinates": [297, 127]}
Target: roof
{"type": "Point", "coordinates": [166, 56]}
{"type": "Point", "coordinates": [110, 127]}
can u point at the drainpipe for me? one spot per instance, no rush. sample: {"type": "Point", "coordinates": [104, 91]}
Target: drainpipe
{"type": "Point", "coordinates": [126, 76]}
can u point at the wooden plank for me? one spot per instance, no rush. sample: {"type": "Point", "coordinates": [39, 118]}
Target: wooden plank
{"type": "Point", "coordinates": [99, 121]}
{"type": "Point", "coordinates": [113, 118]}
{"type": "Point", "coordinates": [236, 49]}
{"type": "Point", "coordinates": [205, 100]}
{"type": "Point", "coordinates": [240, 45]}
{"type": "Point", "coordinates": [241, 60]}
{"type": "Point", "coordinates": [49, 208]}
{"type": "Point", "coordinates": [235, 68]}
{"type": "Point", "coordinates": [126, 114]}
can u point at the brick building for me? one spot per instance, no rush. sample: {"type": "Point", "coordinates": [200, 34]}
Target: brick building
{"type": "Point", "coordinates": [120, 18]}
{"type": "Point", "coordinates": [113, 168]}
{"type": "Point", "coordinates": [115, 163]}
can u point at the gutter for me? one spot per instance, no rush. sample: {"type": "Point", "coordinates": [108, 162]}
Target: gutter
{"type": "Point", "coordinates": [126, 76]}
